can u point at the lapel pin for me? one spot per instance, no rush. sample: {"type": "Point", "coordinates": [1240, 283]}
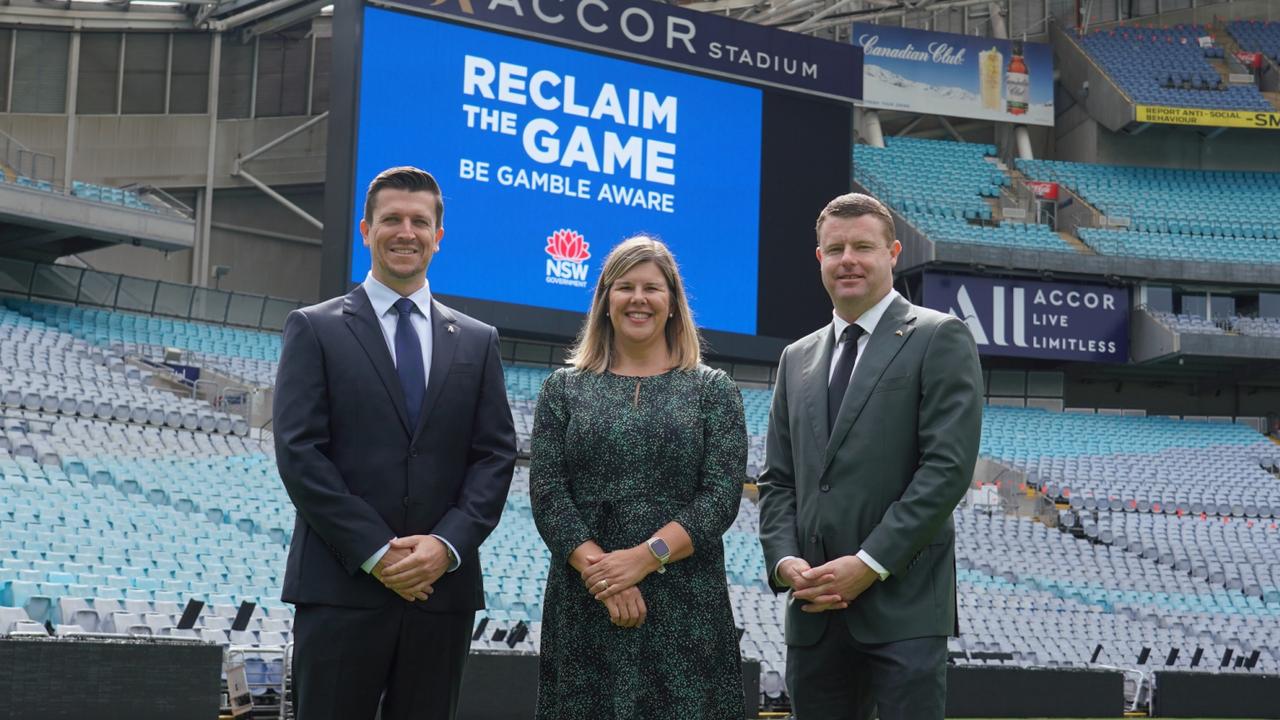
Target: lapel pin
{"type": "Point", "coordinates": [453, 329]}
{"type": "Point", "coordinates": [898, 333]}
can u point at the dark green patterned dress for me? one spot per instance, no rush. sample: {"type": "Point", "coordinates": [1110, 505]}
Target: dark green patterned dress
{"type": "Point", "coordinates": [613, 465]}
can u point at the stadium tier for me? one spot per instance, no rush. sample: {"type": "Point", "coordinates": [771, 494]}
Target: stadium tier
{"type": "Point", "coordinates": [1168, 66]}
{"type": "Point", "coordinates": [249, 355]}
{"type": "Point", "coordinates": [1138, 464]}
{"type": "Point", "coordinates": [26, 182]}
{"type": "Point", "coordinates": [1203, 215]}
{"type": "Point", "coordinates": [93, 192]}
{"type": "Point", "coordinates": [1189, 324]}
{"type": "Point", "coordinates": [941, 187]}
{"type": "Point", "coordinates": [45, 369]}
{"type": "Point", "coordinates": [1103, 215]}
{"type": "Point", "coordinates": [1172, 541]}
{"type": "Point", "coordinates": [1261, 36]}
{"type": "Point", "coordinates": [112, 196]}
{"type": "Point", "coordinates": [1257, 327]}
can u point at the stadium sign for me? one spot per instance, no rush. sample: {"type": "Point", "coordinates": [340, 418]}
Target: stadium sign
{"type": "Point", "coordinates": [1207, 118]}
{"type": "Point", "coordinates": [670, 36]}
{"type": "Point", "coordinates": [1025, 318]}
{"type": "Point", "coordinates": [1043, 190]}
{"type": "Point", "coordinates": [956, 75]}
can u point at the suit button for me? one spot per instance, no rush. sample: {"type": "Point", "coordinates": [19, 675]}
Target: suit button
{"type": "Point", "coordinates": [405, 501]}
{"type": "Point", "coordinates": [413, 452]}
{"type": "Point", "coordinates": [825, 487]}
{"type": "Point", "coordinates": [813, 539]}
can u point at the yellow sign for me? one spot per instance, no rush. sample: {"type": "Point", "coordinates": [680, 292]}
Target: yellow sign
{"type": "Point", "coordinates": [1207, 118]}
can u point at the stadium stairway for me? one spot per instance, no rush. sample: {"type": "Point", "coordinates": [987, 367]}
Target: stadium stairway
{"type": "Point", "coordinates": [1198, 215]}
{"type": "Point", "coordinates": [955, 206]}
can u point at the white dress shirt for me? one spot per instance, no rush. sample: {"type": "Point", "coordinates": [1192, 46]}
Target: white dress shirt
{"type": "Point", "coordinates": [383, 300]}
{"type": "Point", "coordinates": [868, 322]}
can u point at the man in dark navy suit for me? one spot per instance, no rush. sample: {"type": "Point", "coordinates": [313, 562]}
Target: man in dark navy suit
{"type": "Point", "coordinates": [395, 442]}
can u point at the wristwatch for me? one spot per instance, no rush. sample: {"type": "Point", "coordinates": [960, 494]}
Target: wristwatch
{"type": "Point", "coordinates": [659, 548]}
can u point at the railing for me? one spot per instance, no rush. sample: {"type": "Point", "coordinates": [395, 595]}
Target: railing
{"type": "Point", "coordinates": [81, 286]}
{"type": "Point", "coordinates": [24, 161]}
{"type": "Point", "coordinates": [167, 201]}
{"type": "Point", "coordinates": [1216, 15]}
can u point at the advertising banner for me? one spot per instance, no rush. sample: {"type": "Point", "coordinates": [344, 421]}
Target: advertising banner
{"type": "Point", "coordinates": [672, 35]}
{"type": "Point", "coordinates": [1043, 190]}
{"type": "Point", "coordinates": [1251, 60]}
{"type": "Point", "coordinates": [956, 75]}
{"type": "Point", "coordinates": [1028, 318]}
{"type": "Point", "coordinates": [549, 156]}
{"type": "Point", "coordinates": [1207, 118]}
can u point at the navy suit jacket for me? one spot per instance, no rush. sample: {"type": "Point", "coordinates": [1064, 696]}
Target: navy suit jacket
{"type": "Point", "coordinates": [360, 475]}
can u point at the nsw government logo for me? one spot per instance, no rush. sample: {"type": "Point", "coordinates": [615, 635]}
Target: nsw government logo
{"type": "Point", "coordinates": [568, 262]}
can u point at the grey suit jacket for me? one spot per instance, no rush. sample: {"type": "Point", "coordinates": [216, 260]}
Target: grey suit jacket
{"type": "Point", "coordinates": [885, 479]}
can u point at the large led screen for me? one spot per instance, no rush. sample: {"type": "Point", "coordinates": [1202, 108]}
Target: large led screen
{"type": "Point", "coordinates": [549, 156]}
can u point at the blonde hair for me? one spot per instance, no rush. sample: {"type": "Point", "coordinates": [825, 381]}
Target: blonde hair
{"type": "Point", "coordinates": [593, 350]}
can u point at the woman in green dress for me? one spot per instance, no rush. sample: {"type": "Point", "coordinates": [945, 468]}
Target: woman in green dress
{"type": "Point", "coordinates": [638, 456]}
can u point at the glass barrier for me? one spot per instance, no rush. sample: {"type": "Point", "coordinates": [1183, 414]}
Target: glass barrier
{"type": "Point", "coordinates": [65, 283]}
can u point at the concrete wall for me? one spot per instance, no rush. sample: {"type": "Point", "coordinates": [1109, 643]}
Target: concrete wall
{"type": "Point", "coordinates": [1225, 398]}
{"type": "Point", "coordinates": [1079, 138]}
{"type": "Point", "coordinates": [171, 150]}
{"type": "Point", "coordinates": [270, 250]}
{"type": "Point", "coordinates": [1179, 147]}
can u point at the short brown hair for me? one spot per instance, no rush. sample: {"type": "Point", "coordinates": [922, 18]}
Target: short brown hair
{"type": "Point", "coordinates": [851, 205]}
{"type": "Point", "coordinates": [593, 351]}
{"type": "Point", "coordinates": [405, 177]}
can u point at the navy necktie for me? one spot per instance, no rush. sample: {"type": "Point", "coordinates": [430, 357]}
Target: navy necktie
{"type": "Point", "coordinates": [848, 349]}
{"type": "Point", "coordinates": [409, 360]}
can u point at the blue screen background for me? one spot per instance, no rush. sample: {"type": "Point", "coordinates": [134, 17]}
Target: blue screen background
{"type": "Point", "coordinates": [411, 98]}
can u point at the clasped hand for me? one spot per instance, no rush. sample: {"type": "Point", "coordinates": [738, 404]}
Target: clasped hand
{"type": "Point", "coordinates": [412, 566]}
{"type": "Point", "coordinates": [612, 577]}
{"type": "Point", "coordinates": [830, 586]}
{"type": "Point", "coordinates": [609, 574]}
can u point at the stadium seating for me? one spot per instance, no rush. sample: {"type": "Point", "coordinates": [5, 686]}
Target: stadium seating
{"type": "Point", "coordinates": [940, 187]}
{"type": "Point", "coordinates": [1167, 66]}
{"type": "Point", "coordinates": [112, 196]}
{"type": "Point", "coordinates": [95, 193]}
{"type": "Point", "coordinates": [1259, 327]}
{"type": "Point", "coordinates": [1257, 36]}
{"type": "Point", "coordinates": [1202, 215]}
{"type": "Point", "coordinates": [1144, 465]}
{"type": "Point", "coordinates": [26, 182]}
{"type": "Point", "coordinates": [1189, 324]}
{"type": "Point", "coordinates": [250, 355]}
{"type": "Point", "coordinates": [51, 371]}
{"type": "Point", "coordinates": [1167, 536]}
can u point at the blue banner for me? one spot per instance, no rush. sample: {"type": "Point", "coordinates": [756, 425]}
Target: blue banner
{"type": "Point", "coordinates": [549, 156]}
{"type": "Point", "coordinates": [673, 36]}
{"type": "Point", "coordinates": [955, 75]}
{"type": "Point", "coordinates": [1027, 318]}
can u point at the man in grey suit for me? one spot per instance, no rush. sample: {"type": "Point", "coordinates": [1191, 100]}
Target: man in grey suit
{"type": "Point", "coordinates": [873, 436]}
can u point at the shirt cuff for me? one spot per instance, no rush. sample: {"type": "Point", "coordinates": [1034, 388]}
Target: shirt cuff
{"type": "Point", "coordinates": [778, 580]}
{"type": "Point", "coordinates": [373, 559]}
{"type": "Point", "coordinates": [865, 557]}
{"type": "Point", "coordinates": [456, 561]}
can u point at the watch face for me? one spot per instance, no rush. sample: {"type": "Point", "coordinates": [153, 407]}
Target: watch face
{"type": "Point", "coordinates": [659, 547]}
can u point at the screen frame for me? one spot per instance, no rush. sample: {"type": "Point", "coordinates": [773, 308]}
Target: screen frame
{"type": "Point", "coordinates": [523, 321]}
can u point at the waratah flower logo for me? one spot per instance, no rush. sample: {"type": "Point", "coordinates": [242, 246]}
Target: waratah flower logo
{"type": "Point", "coordinates": [568, 245]}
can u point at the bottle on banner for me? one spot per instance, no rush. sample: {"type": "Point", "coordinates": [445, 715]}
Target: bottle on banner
{"type": "Point", "coordinates": [1017, 83]}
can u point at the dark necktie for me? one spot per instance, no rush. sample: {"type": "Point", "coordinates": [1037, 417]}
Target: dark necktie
{"type": "Point", "coordinates": [848, 349]}
{"type": "Point", "coordinates": [409, 360]}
